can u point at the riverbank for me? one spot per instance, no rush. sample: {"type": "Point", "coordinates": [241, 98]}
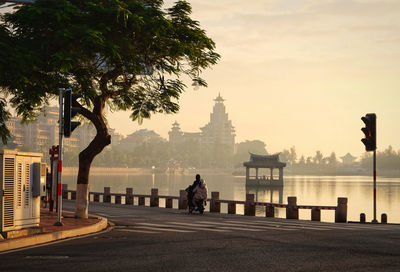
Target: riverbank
{"type": "Point", "coordinates": [144, 171]}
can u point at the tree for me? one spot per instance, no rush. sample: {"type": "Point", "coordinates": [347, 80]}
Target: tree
{"type": "Point", "coordinates": [127, 54]}
{"type": "Point", "coordinates": [318, 157]}
{"type": "Point", "coordinates": [332, 161]}
{"type": "Point", "coordinates": [243, 149]}
{"type": "Point", "coordinates": [285, 156]}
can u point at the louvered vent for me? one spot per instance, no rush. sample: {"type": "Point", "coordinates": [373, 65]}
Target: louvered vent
{"type": "Point", "coordinates": [27, 184]}
{"type": "Point", "coordinates": [19, 185]}
{"type": "Point", "coordinates": [9, 171]}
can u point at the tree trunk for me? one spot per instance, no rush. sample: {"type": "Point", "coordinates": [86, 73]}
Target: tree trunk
{"type": "Point", "coordinates": [100, 141]}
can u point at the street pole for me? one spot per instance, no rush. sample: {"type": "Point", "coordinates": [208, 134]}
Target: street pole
{"type": "Point", "coordinates": [59, 168]}
{"type": "Point", "coordinates": [374, 168]}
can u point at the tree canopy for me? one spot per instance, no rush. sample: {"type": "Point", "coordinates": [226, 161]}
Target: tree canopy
{"type": "Point", "coordinates": [129, 54]}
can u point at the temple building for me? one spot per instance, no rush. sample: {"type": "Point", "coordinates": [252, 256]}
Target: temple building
{"type": "Point", "coordinates": [216, 140]}
{"type": "Point", "coordinates": [348, 159]}
{"type": "Point", "coordinates": [219, 130]}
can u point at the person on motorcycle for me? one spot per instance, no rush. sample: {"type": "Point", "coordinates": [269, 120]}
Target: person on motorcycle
{"type": "Point", "coordinates": [200, 195]}
{"type": "Point", "coordinates": [190, 193]}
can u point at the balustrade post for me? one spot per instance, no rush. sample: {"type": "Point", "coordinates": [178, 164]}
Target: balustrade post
{"type": "Point", "coordinates": [384, 218]}
{"type": "Point", "coordinates": [96, 197]}
{"type": "Point", "coordinates": [154, 199]}
{"type": "Point", "coordinates": [292, 212]}
{"type": "Point", "coordinates": [269, 211]}
{"type": "Point", "coordinates": [341, 210]}
{"type": "Point", "coordinates": [64, 191]}
{"type": "Point", "coordinates": [107, 195]}
{"type": "Point", "coordinates": [142, 200]}
{"type": "Point", "coordinates": [249, 207]}
{"type": "Point", "coordinates": [214, 205]}
{"type": "Point", "coordinates": [362, 217]}
{"type": "Point", "coordinates": [168, 203]}
{"type": "Point", "coordinates": [117, 199]}
{"type": "Point", "coordinates": [73, 195]}
{"type": "Point", "coordinates": [232, 207]}
{"type": "Point", "coordinates": [129, 196]}
{"type": "Point", "coordinates": [316, 214]}
{"type": "Point", "coordinates": [183, 202]}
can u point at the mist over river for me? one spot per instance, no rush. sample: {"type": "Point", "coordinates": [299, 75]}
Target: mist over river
{"type": "Point", "coordinates": [309, 190]}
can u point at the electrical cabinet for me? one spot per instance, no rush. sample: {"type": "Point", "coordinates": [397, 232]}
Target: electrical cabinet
{"type": "Point", "coordinates": [21, 181]}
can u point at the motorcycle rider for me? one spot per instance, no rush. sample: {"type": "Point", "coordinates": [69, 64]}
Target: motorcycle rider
{"type": "Point", "coordinates": [200, 195]}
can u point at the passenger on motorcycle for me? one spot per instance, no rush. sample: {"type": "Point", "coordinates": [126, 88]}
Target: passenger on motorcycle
{"type": "Point", "coordinates": [200, 195]}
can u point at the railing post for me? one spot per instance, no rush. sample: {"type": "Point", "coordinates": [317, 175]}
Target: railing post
{"type": "Point", "coordinates": [269, 211]}
{"type": "Point", "coordinates": [64, 191]}
{"type": "Point", "coordinates": [73, 195]}
{"type": "Point", "coordinates": [142, 201]}
{"type": "Point", "coordinates": [129, 196]}
{"type": "Point", "coordinates": [384, 218]}
{"type": "Point", "coordinates": [292, 212]}
{"type": "Point", "coordinates": [214, 205]}
{"type": "Point", "coordinates": [249, 207]}
{"type": "Point", "coordinates": [154, 200]}
{"type": "Point", "coordinates": [183, 202]}
{"type": "Point", "coordinates": [118, 199]}
{"type": "Point", "coordinates": [315, 214]}
{"type": "Point", "coordinates": [96, 197]}
{"type": "Point", "coordinates": [341, 210]}
{"type": "Point", "coordinates": [107, 195]}
{"type": "Point", "coordinates": [168, 203]}
{"type": "Point", "coordinates": [362, 217]}
{"type": "Point", "coordinates": [232, 207]}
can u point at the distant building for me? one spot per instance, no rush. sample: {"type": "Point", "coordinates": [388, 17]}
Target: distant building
{"type": "Point", "coordinates": [216, 139]}
{"type": "Point", "coordinates": [219, 131]}
{"type": "Point", "coordinates": [139, 137]}
{"type": "Point", "coordinates": [40, 135]}
{"type": "Point", "coordinates": [348, 159]}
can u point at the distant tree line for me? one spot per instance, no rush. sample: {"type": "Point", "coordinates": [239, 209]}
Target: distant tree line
{"type": "Point", "coordinates": [189, 154]}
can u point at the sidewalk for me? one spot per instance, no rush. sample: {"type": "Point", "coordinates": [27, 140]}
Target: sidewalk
{"type": "Point", "coordinates": [72, 227]}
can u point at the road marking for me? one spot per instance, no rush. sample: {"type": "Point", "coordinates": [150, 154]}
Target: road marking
{"type": "Point", "coordinates": [239, 224]}
{"type": "Point", "coordinates": [163, 229]}
{"type": "Point", "coordinates": [139, 231]}
{"type": "Point", "coordinates": [229, 226]}
{"type": "Point", "coordinates": [314, 225]}
{"type": "Point", "coordinates": [197, 227]}
{"type": "Point", "coordinates": [291, 226]}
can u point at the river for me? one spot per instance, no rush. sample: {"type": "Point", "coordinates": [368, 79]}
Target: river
{"type": "Point", "coordinates": [309, 190]}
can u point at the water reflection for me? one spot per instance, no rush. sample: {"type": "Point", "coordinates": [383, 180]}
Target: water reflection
{"type": "Point", "coordinates": [309, 190]}
{"type": "Point", "coordinates": [271, 194]}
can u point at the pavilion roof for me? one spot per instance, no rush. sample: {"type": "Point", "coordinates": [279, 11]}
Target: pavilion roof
{"type": "Point", "coordinates": [264, 161]}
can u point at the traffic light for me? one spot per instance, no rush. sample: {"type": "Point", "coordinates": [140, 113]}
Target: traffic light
{"type": "Point", "coordinates": [70, 112]}
{"type": "Point", "coordinates": [370, 131]}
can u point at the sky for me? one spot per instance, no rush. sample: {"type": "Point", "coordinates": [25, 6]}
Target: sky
{"type": "Point", "coordinates": [296, 73]}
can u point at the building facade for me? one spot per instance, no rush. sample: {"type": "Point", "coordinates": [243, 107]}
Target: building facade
{"type": "Point", "coordinates": [40, 135]}
{"type": "Point", "coordinates": [215, 142]}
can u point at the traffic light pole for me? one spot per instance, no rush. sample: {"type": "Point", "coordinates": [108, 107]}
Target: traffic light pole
{"type": "Point", "coordinates": [59, 168]}
{"type": "Point", "coordinates": [374, 167]}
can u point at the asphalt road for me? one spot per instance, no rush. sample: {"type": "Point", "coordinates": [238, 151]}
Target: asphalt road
{"type": "Point", "coordinates": [158, 239]}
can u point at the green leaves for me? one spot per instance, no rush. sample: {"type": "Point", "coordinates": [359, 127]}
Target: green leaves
{"type": "Point", "coordinates": [4, 116]}
{"type": "Point", "coordinates": [131, 54]}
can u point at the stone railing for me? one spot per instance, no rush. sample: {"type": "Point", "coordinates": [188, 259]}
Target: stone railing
{"type": "Point", "coordinates": [292, 208]}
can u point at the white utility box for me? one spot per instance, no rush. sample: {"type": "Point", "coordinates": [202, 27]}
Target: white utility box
{"type": "Point", "coordinates": [22, 182]}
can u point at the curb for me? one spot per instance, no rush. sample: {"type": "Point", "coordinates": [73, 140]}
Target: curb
{"type": "Point", "coordinates": [53, 236]}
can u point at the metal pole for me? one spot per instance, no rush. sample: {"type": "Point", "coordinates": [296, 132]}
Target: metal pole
{"type": "Point", "coordinates": [374, 167]}
{"type": "Point", "coordinates": [59, 168]}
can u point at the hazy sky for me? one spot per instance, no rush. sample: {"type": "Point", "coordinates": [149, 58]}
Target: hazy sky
{"type": "Point", "coordinates": [296, 73]}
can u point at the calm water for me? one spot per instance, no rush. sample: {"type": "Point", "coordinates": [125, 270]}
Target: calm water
{"type": "Point", "coordinates": [309, 190]}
